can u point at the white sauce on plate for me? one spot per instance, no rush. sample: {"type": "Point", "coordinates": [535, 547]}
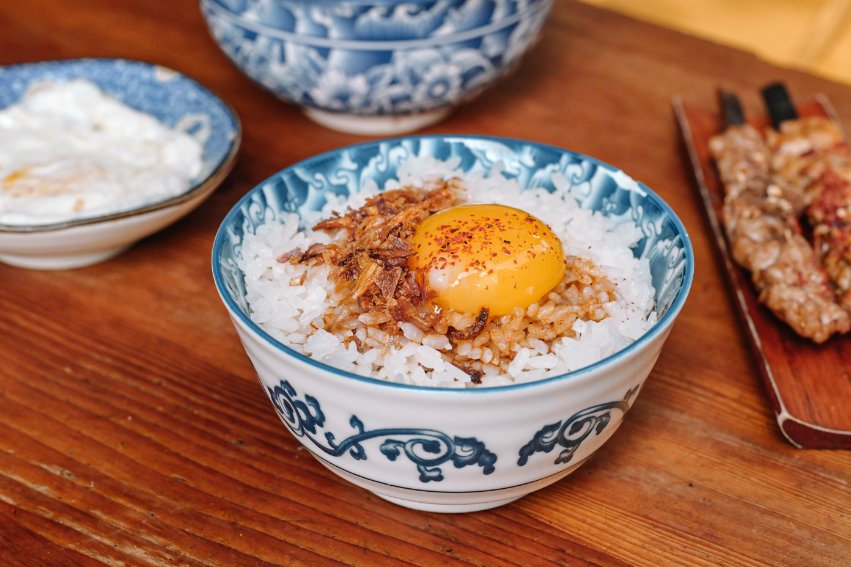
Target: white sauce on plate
{"type": "Point", "coordinates": [69, 151]}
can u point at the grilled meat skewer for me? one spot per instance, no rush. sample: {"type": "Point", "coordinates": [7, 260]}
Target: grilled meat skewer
{"type": "Point", "coordinates": [813, 155]}
{"type": "Point", "coordinates": [759, 216]}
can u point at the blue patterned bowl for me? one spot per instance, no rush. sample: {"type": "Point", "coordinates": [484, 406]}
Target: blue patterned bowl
{"type": "Point", "coordinates": [379, 66]}
{"type": "Point", "coordinates": [444, 449]}
{"type": "Point", "coordinates": [171, 97]}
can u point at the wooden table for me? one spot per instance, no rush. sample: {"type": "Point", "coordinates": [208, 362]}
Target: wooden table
{"type": "Point", "coordinates": [133, 430]}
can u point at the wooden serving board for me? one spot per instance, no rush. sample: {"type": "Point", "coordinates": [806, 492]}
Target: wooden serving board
{"type": "Point", "coordinates": [809, 385]}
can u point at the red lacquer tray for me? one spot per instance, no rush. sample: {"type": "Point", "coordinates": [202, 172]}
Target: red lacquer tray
{"type": "Point", "coordinates": [809, 385]}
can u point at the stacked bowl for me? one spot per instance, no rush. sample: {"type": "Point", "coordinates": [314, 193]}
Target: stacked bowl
{"type": "Point", "coordinates": [377, 66]}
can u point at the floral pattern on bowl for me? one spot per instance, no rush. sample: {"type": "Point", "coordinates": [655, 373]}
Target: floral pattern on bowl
{"type": "Point", "coordinates": [449, 449]}
{"type": "Point", "coordinates": [346, 59]}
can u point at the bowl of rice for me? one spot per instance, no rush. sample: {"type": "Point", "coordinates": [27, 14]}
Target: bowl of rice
{"type": "Point", "coordinates": [100, 153]}
{"type": "Point", "coordinates": [452, 322]}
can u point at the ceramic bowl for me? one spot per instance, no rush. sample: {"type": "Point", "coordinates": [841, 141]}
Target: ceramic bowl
{"type": "Point", "coordinates": [443, 449]}
{"type": "Point", "coordinates": [176, 101]}
{"type": "Point", "coordinates": [375, 66]}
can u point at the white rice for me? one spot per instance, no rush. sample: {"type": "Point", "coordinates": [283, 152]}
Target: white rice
{"type": "Point", "coordinates": [293, 314]}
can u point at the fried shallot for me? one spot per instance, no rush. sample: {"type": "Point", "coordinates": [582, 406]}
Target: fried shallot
{"type": "Point", "coordinates": [370, 262]}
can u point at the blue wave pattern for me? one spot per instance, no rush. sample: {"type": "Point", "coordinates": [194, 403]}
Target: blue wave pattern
{"type": "Point", "coordinates": [428, 449]}
{"type": "Point", "coordinates": [572, 432]}
{"type": "Point", "coordinates": [305, 187]}
{"type": "Point", "coordinates": [379, 58]}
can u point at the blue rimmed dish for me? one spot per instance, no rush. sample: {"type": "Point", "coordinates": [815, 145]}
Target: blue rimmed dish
{"type": "Point", "coordinates": [444, 449]}
{"type": "Point", "coordinates": [167, 95]}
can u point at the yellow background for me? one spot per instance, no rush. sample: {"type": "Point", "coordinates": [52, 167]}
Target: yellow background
{"type": "Point", "coordinates": [814, 35]}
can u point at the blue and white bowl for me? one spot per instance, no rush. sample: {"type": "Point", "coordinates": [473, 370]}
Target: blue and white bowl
{"type": "Point", "coordinates": [175, 100]}
{"type": "Point", "coordinates": [443, 449]}
{"type": "Point", "coordinates": [375, 66]}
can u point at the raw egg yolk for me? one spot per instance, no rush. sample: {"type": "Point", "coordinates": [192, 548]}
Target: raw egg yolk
{"type": "Point", "coordinates": [475, 256]}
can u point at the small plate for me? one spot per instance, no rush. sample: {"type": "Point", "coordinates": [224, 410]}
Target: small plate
{"type": "Point", "coordinates": [169, 96]}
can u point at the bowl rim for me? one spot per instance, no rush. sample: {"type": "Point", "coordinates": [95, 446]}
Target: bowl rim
{"type": "Point", "coordinates": [376, 3]}
{"type": "Point", "coordinates": [353, 2]}
{"type": "Point", "coordinates": [376, 45]}
{"type": "Point", "coordinates": [200, 187]}
{"type": "Point", "coordinates": [658, 327]}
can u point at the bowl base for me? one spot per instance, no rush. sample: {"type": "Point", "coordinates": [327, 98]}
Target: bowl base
{"type": "Point", "coordinates": [63, 262]}
{"type": "Point", "coordinates": [376, 125]}
{"type": "Point", "coordinates": [448, 508]}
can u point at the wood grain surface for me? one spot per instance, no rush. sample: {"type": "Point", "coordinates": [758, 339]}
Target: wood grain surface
{"type": "Point", "coordinates": [133, 430]}
{"type": "Point", "coordinates": [808, 384]}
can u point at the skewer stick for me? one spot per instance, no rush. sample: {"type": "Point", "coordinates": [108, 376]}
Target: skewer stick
{"type": "Point", "coordinates": [731, 108]}
{"type": "Point", "coordinates": [779, 103]}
